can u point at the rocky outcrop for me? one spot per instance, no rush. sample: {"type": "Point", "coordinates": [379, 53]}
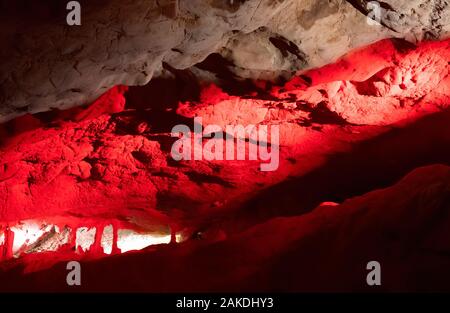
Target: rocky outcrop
{"type": "Point", "coordinates": [93, 167]}
{"type": "Point", "coordinates": [47, 64]}
{"type": "Point", "coordinates": [112, 160]}
{"type": "Point", "coordinates": [403, 227]}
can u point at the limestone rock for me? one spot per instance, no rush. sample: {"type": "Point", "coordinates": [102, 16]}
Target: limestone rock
{"type": "Point", "coordinates": [46, 64]}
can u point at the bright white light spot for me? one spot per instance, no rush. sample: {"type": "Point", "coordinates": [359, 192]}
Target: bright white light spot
{"type": "Point", "coordinates": [37, 236]}
{"type": "Point", "coordinates": [51, 240]}
{"type": "Point", "coordinates": [130, 240]}
{"type": "Point", "coordinates": [107, 239]}
{"type": "Point", "coordinates": [27, 233]}
{"type": "Point", "coordinates": [85, 238]}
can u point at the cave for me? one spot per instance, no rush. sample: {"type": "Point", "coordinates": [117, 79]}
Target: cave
{"type": "Point", "coordinates": [204, 146]}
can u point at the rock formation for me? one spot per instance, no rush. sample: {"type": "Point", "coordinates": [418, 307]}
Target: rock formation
{"type": "Point", "coordinates": [47, 64]}
{"type": "Point", "coordinates": [86, 144]}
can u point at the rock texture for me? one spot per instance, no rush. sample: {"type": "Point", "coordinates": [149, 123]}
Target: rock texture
{"type": "Point", "coordinates": [325, 250]}
{"type": "Point", "coordinates": [47, 64]}
{"type": "Point", "coordinates": [111, 163]}
{"type": "Point", "coordinates": [355, 113]}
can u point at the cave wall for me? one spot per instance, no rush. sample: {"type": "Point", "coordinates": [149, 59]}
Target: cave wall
{"type": "Point", "coordinates": [86, 115]}
{"type": "Point", "coordinates": [47, 64]}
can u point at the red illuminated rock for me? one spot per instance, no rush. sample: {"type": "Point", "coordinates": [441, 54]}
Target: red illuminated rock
{"type": "Point", "coordinates": [110, 162]}
{"type": "Point", "coordinates": [325, 250]}
{"type": "Point", "coordinates": [97, 164]}
{"type": "Point", "coordinates": [76, 179]}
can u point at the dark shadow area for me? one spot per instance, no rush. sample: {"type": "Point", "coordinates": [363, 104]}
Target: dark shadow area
{"type": "Point", "coordinates": [371, 165]}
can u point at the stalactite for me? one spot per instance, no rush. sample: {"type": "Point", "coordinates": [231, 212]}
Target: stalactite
{"type": "Point", "coordinates": [2, 244]}
{"type": "Point", "coordinates": [173, 233]}
{"type": "Point", "coordinates": [72, 241]}
{"type": "Point", "coordinates": [115, 249]}
{"type": "Point", "coordinates": [8, 243]}
{"type": "Point", "coordinates": [96, 247]}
